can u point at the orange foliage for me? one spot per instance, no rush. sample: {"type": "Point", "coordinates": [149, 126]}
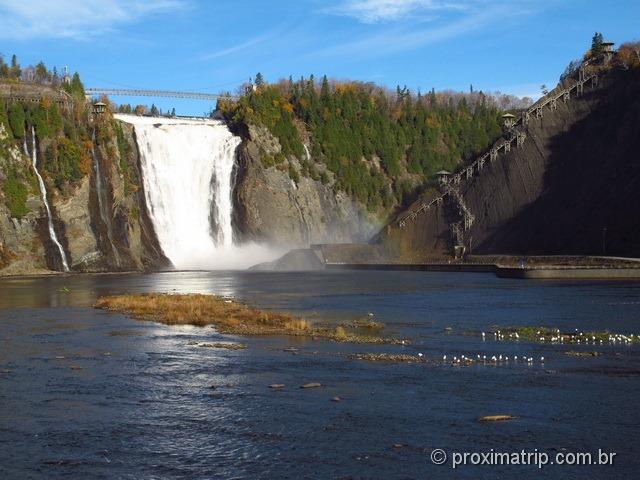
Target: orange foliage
{"type": "Point", "coordinates": [629, 54]}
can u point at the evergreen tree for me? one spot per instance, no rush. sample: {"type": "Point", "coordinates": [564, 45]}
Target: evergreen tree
{"type": "Point", "coordinates": [596, 45]}
{"type": "Point", "coordinates": [369, 139]}
{"type": "Point", "coordinates": [16, 71]}
{"type": "Point", "coordinates": [75, 87]}
{"type": "Point", "coordinates": [259, 82]}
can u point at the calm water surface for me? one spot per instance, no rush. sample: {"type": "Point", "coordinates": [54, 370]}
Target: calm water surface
{"type": "Point", "coordinates": [88, 394]}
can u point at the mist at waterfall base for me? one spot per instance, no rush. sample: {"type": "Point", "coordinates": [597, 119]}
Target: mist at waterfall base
{"type": "Point", "coordinates": [187, 168]}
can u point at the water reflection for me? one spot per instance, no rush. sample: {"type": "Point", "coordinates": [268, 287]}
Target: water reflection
{"type": "Point", "coordinates": [95, 395]}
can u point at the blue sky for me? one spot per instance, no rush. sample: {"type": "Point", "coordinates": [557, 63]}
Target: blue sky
{"type": "Point", "coordinates": [511, 46]}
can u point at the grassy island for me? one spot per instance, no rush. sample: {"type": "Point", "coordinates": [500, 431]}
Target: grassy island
{"type": "Point", "coordinates": [228, 316]}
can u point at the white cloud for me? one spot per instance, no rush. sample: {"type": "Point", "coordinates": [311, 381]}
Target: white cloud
{"type": "Point", "coordinates": [463, 17]}
{"type": "Point", "coordinates": [377, 11]}
{"type": "Point", "coordinates": [397, 39]}
{"type": "Point", "coordinates": [77, 19]}
{"type": "Point", "coordinates": [235, 49]}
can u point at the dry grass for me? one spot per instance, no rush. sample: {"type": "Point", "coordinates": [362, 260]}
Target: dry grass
{"type": "Point", "coordinates": [226, 315]}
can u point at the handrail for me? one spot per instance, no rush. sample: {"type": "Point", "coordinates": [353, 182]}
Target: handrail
{"type": "Point", "coordinates": [519, 137]}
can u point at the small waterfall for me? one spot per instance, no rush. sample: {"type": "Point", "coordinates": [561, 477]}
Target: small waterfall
{"type": "Point", "coordinates": [306, 149]}
{"type": "Point", "coordinates": [43, 192]}
{"type": "Point", "coordinates": [187, 169]}
{"type": "Point", "coordinates": [103, 200]}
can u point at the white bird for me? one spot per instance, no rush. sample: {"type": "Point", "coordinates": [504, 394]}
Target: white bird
{"type": "Point", "coordinates": [542, 359]}
{"type": "Point", "coordinates": [420, 355]}
{"type": "Point", "coordinates": [444, 357]}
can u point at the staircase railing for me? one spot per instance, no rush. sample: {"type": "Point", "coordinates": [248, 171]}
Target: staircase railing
{"type": "Point", "coordinates": [517, 136]}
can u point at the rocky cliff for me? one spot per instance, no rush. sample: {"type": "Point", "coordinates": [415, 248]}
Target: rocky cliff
{"type": "Point", "coordinates": [270, 206]}
{"type": "Point", "coordinates": [99, 218]}
{"type": "Point", "coordinates": [570, 188]}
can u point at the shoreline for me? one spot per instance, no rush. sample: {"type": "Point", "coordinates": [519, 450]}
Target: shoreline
{"type": "Point", "coordinates": [503, 266]}
{"type": "Point", "coordinates": [535, 272]}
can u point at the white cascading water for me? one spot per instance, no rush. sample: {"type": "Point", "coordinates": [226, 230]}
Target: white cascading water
{"type": "Point", "coordinates": [43, 192]}
{"type": "Point", "coordinates": [187, 169]}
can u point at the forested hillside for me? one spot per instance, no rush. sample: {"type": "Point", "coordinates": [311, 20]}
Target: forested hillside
{"type": "Point", "coordinates": [376, 145]}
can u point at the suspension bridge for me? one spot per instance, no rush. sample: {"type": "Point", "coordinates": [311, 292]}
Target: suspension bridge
{"type": "Point", "coordinates": [158, 93]}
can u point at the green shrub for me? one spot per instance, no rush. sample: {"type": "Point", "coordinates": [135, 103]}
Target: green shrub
{"type": "Point", "coordinates": [16, 192]}
{"type": "Point", "coordinates": [293, 173]}
{"type": "Point", "coordinates": [17, 120]}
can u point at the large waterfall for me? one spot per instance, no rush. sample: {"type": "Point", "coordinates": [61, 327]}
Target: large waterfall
{"type": "Point", "coordinates": [187, 169]}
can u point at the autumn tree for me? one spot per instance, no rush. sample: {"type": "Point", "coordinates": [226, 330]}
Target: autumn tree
{"type": "Point", "coordinates": [629, 55]}
{"type": "Point", "coordinates": [41, 73]}
{"type": "Point", "coordinates": [4, 68]}
{"type": "Point", "coordinates": [140, 110]}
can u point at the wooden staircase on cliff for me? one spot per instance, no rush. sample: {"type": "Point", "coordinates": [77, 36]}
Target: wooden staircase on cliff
{"type": "Point", "coordinates": [516, 135]}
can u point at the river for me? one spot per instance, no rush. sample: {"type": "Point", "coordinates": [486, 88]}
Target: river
{"type": "Point", "coordinates": [91, 394]}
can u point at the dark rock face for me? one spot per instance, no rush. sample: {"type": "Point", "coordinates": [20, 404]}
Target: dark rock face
{"type": "Point", "coordinates": [576, 174]}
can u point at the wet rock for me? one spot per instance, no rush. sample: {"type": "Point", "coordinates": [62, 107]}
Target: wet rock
{"type": "Point", "coordinates": [226, 345]}
{"type": "Point", "coordinates": [336, 399]}
{"type": "Point", "coordinates": [495, 418]}
{"type": "Point", "coordinates": [311, 385]}
{"type": "Point", "coordinates": [387, 357]}
{"type": "Point", "coordinates": [276, 386]}
{"type": "Point", "coordinates": [573, 353]}
{"type": "Point", "coordinates": [398, 445]}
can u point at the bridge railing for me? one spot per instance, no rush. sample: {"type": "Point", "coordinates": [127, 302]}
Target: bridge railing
{"type": "Point", "coordinates": [158, 93]}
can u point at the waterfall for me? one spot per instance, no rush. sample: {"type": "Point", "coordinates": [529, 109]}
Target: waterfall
{"type": "Point", "coordinates": [187, 171]}
{"type": "Point", "coordinates": [103, 200]}
{"type": "Point", "coordinates": [43, 192]}
{"type": "Point", "coordinates": [306, 149]}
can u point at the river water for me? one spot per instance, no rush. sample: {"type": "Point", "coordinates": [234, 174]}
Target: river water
{"type": "Point", "coordinates": [89, 394]}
